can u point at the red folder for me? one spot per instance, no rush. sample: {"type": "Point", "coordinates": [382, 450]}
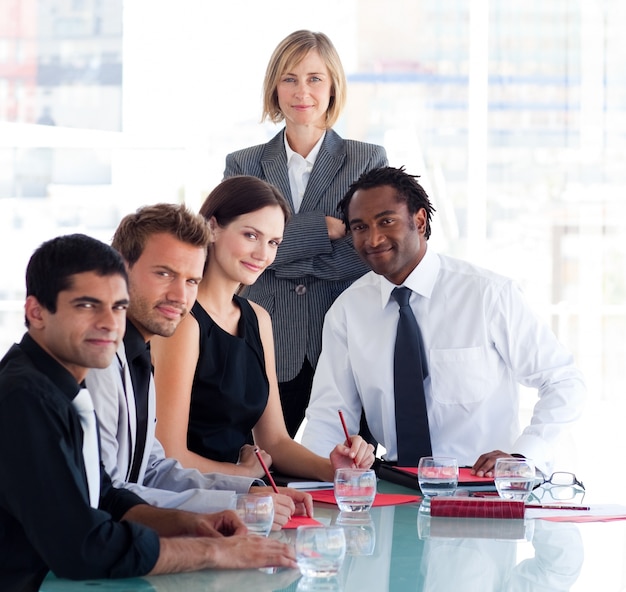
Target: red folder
{"type": "Point", "coordinates": [327, 496]}
{"type": "Point", "coordinates": [407, 477]}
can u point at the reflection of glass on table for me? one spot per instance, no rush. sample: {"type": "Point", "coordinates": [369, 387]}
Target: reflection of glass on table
{"type": "Point", "coordinates": [360, 532]}
{"type": "Point", "coordinates": [320, 550]}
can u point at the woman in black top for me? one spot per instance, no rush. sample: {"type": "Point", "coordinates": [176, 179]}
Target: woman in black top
{"type": "Point", "coordinates": [215, 377]}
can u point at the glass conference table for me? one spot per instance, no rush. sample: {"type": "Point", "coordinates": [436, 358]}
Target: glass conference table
{"type": "Point", "coordinates": [401, 548]}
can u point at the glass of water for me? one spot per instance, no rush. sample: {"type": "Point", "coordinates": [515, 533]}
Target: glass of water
{"type": "Point", "coordinates": [320, 550]}
{"type": "Point", "coordinates": [355, 489]}
{"type": "Point", "coordinates": [437, 475]}
{"type": "Point", "coordinates": [256, 512]}
{"type": "Point", "coordinates": [514, 478]}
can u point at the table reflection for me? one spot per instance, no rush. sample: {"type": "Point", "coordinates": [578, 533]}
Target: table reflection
{"type": "Point", "coordinates": [318, 585]}
{"type": "Point", "coordinates": [360, 532]}
{"type": "Point", "coordinates": [487, 561]}
{"type": "Point", "coordinates": [470, 554]}
{"type": "Point", "coordinates": [225, 581]}
{"type": "Point", "coordinates": [399, 549]}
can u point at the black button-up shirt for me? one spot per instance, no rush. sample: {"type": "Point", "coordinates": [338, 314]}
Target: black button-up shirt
{"type": "Point", "coordinates": [46, 522]}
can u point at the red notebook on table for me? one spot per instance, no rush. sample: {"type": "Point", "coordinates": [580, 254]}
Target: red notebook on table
{"type": "Point", "coordinates": [472, 507]}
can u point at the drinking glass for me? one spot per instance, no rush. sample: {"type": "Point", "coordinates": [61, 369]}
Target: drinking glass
{"type": "Point", "coordinates": [437, 475]}
{"type": "Point", "coordinates": [355, 489]}
{"type": "Point", "coordinates": [256, 512]}
{"type": "Point", "coordinates": [320, 550]}
{"type": "Point", "coordinates": [514, 478]}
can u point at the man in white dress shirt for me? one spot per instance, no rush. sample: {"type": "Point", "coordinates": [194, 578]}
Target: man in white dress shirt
{"type": "Point", "coordinates": [480, 337]}
{"type": "Point", "coordinates": [164, 248]}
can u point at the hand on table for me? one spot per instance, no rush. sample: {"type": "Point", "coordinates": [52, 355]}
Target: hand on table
{"type": "Point", "coordinates": [220, 524]}
{"type": "Point", "coordinates": [485, 464]}
{"type": "Point", "coordinates": [246, 552]}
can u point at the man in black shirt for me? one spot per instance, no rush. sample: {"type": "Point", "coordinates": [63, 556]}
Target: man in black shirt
{"type": "Point", "coordinates": [75, 314]}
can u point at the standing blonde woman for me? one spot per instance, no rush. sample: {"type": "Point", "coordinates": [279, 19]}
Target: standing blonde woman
{"type": "Point", "coordinates": [215, 377]}
{"type": "Point", "coordinates": [305, 86]}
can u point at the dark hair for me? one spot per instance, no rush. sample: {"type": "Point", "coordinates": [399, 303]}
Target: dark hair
{"type": "Point", "coordinates": [164, 218]}
{"type": "Point", "coordinates": [408, 190]}
{"type": "Point", "coordinates": [53, 264]}
{"type": "Point", "coordinates": [240, 195]}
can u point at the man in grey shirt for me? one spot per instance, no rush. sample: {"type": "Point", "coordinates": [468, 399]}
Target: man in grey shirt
{"type": "Point", "coordinates": [164, 247]}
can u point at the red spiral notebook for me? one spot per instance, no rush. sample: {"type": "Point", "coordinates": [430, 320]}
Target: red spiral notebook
{"type": "Point", "coordinates": [472, 507]}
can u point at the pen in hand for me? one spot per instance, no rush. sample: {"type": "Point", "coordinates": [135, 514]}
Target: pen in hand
{"type": "Point", "coordinates": [345, 428]}
{"type": "Point", "coordinates": [267, 471]}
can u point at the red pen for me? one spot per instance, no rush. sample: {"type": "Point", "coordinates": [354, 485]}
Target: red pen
{"type": "Point", "coordinates": [557, 507]}
{"type": "Point", "coordinates": [267, 472]}
{"type": "Point", "coordinates": [345, 428]}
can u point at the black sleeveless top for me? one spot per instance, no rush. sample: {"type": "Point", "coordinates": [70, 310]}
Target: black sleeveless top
{"type": "Point", "coordinates": [230, 387]}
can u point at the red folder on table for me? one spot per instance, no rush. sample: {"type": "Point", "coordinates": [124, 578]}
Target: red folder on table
{"type": "Point", "coordinates": [407, 476]}
{"type": "Point", "coordinates": [327, 496]}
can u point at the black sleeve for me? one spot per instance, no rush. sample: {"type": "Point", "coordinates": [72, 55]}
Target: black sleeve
{"type": "Point", "coordinates": [43, 489]}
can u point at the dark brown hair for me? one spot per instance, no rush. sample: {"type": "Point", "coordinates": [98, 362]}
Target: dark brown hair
{"type": "Point", "coordinates": [240, 195]}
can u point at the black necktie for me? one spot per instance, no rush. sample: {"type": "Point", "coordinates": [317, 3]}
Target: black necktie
{"type": "Point", "coordinates": [410, 368]}
{"type": "Point", "coordinates": [140, 371]}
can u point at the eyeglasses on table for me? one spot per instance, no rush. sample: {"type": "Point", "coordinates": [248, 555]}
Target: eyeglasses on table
{"type": "Point", "coordinates": [560, 486]}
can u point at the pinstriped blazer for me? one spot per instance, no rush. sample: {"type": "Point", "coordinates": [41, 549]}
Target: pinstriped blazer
{"type": "Point", "coordinates": [310, 270]}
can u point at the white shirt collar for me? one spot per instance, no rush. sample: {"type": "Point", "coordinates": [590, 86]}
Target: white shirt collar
{"type": "Point", "coordinates": [310, 157]}
{"type": "Point", "coordinates": [421, 280]}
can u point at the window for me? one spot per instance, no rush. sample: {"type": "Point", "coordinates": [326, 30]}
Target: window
{"type": "Point", "coordinates": [117, 104]}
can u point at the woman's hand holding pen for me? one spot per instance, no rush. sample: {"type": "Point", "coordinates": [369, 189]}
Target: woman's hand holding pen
{"type": "Point", "coordinates": [248, 460]}
{"type": "Point", "coordinates": [359, 454]}
{"type": "Point", "coordinates": [287, 503]}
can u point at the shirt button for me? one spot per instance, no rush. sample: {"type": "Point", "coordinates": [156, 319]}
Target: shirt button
{"type": "Point", "coordinates": [300, 289]}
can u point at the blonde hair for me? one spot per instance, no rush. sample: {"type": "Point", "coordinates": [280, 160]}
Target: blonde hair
{"type": "Point", "coordinates": [290, 52]}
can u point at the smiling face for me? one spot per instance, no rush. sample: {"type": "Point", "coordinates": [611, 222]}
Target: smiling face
{"type": "Point", "coordinates": [242, 249]}
{"type": "Point", "coordinates": [304, 92]}
{"type": "Point", "coordinates": [386, 236]}
{"type": "Point", "coordinates": [163, 284]}
{"type": "Point", "coordinates": [88, 325]}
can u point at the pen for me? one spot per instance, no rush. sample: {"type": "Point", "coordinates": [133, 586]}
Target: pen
{"type": "Point", "coordinates": [345, 428]}
{"type": "Point", "coordinates": [557, 507]}
{"type": "Point", "coordinates": [267, 472]}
